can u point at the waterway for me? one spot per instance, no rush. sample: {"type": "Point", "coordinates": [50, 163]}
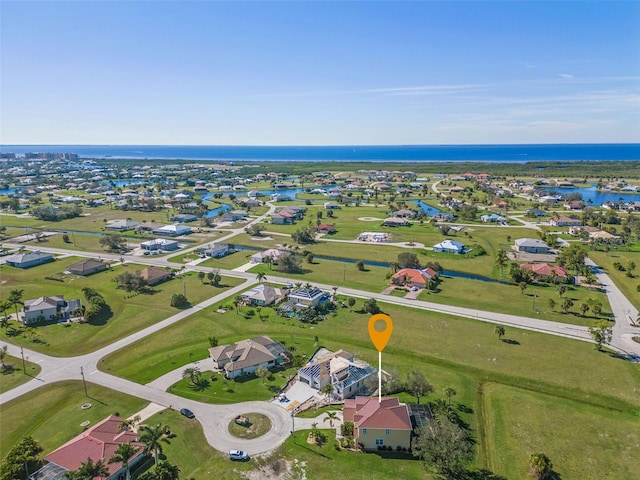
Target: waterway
{"type": "Point", "coordinates": [596, 198]}
{"type": "Point", "coordinates": [427, 209]}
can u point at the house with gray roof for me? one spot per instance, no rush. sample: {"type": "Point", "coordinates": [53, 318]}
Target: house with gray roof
{"type": "Point", "coordinates": [262, 295]}
{"type": "Point", "coordinates": [531, 245]}
{"type": "Point", "coordinates": [44, 309]}
{"type": "Point", "coordinates": [245, 356]}
{"type": "Point", "coordinates": [28, 259]}
{"type": "Point", "coordinates": [87, 267]}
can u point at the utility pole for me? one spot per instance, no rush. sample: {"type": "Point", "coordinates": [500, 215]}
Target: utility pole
{"type": "Point", "coordinates": [84, 382]}
{"type": "Point", "coordinates": [534, 301]}
{"type": "Point", "coordinates": [24, 368]}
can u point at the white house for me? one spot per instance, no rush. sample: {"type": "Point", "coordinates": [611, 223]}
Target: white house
{"type": "Point", "coordinates": [449, 246]}
{"type": "Point", "coordinates": [174, 230]}
{"type": "Point", "coordinates": [273, 253]}
{"type": "Point", "coordinates": [160, 244]}
{"type": "Point", "coordinates": [306, 296]}
{"type": "Point", "coordinates": [48, 308]}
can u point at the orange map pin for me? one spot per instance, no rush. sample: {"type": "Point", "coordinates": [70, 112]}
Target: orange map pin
{"type": "Point", "coordinates": [380, 337]}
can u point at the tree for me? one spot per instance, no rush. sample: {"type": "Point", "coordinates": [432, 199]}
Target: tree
{"type": "Point", "coordinates": [371, 306]}
{"type": "Point", "coordinates": [16, 464]}
{"type": "Point", "coordinates": [162, 471]}
{"type": "Point", "coordinates": [89, 470]}
{"type": "Point", "coordinates": [261, 277]}
{"type": "Point", "coordinates": [178, 300]}
{"type": "Point", "coordinates": [567, 303]}
{"type": "Point", "coordinates": [584, 308]}
{"type": "Point", "coordinates": [192, 372]}
{"type": "Point", "coordinates": [552, 304]}
{"type": "Point", "coordinates": [214, 277]}
{"type": "Point", "coordinates": [540, 467]}
{"type": "Point", "coordinates": [417, 385]}
{"type": "Point", "coordinates": [327, 390]}
{"type": "Point", "coordinates": [449, 392]}
{"type": "Point", "coordinates": [331, 416]}
{"type": "Point", "coordinates": [351, 302]}
{"type": "Point", "coordinates": [262, 372]}
{"type": "Point", "coordinates": [443, 446]}
{"type": "Point", "coordinates": [201, 276]}
{"type": "Point", "coordinates": [523, 287]}
{"type": "Point", "coordinates": [360, 265]}
{"type": "Point", "coordinates": [499, 331]}
{"type": "Point", "coordinates": [213, 342]}
{"type": "Point", "coordinates": [153, 437]}
{"type": "Point", "coordinates": [290, 263]}
{"type": "Point", "coordinates": [3, 354]}
{"type": "Point", "coordinates": [123, 453]}
{"type": "Point", "coordinates": [501, 261]}
{"type": "Point", "coordinates": [562, 290]}
{"type": "Point", "coordinates": [131, 281]}
{"type": "Point", "coordinates": [4, 306]}
{"type": "Point", "coordinates": [408, 260]}
{"type": "Point", "coordinates": [113, 242]}
{"type": "Point", "coordinates": [601, 332]}
{"type": "Point", "coordinates": [15, 299]}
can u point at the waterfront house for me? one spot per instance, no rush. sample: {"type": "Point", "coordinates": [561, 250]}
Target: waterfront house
{"type": "Point", "coordinates": [544, 272]}
{"type": "Point", "coordinates": [414, 277]}
{"type": "Point", "coordinates": [272, 254]}
{"type": "Point", "coordinates": [449, 246]}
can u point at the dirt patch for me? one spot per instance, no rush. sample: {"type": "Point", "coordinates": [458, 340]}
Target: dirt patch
{"type": "Point", "coordinates": [370, 219]}
{"type": "Point", "coordinates": [278, 469]}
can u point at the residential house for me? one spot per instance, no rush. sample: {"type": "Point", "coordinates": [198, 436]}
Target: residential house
{"type": "Point", "coordinates": [155, 275]}
{"type": "Point", "coordinates": [87, 267]}
{"type": "Point", "coordinates": [395, 222]}
{"type": "Point", "coordinates": [405, 213]}
{"type": "Point", "coordinates": [28, 260]}
{"type": "Point", "coordinates": [563, 221]}
{"type": "Point", "coordinates": [492, 218]}
{"type": "Point", "coordinates": [48, 308]}
{"type": "Point", "coordinates": [449, 246]}
{"type": "Point", "coordinates": [574, 205]}
{"type": "Point", "coordinates": [545, 272]}
{"type": "Point", "coordinates": [121, 225]}
{"type": "Point", "coordinates": [262, 295]}
{"type": "Point", "coordinates": [531, 245]}
{"type": "Point", "coordinates": [414, 277]}
{"type": "Point", "coordinates": [272, 254]}
{"type": "Point", "coordinates": [98, 442]}
{"type": "Point", "coordinates": [216, 250]}
{"type": "Point", "coordinates": [283, 217]}
{"type": "Point", "coordinates": [245, 356]}
{"type": "Point", "coordinates": [340, 369]}
{"type": "Point", "coordinates": [535, 212]}
{"type": "Point", "coordinates": [174, 230]}
{"type": "Point", "coordinates": [148, 227]}
{"type": "Point", "coordinates": [249, 201]}
{"type": "Point", "coordinates": [326, 228]}
{"type": "Point", "coordinates": [331, 206]}
{"type": "Point", "coordinates": [184, 218]}
{"type": "Point", "coordinates": [160, 244]}
{"type": "Point", "coordinates": [307, 297]}
{"type": "Point", "coordinates": [377, 424]}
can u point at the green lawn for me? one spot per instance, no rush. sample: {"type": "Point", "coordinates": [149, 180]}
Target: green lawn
{"type": "Point", "coordinates": [12, 377]}
{"type": "Point", "coordinates": [52, 413]}
{"type": "Point", "coordinates": [623, 282]}
{"type": "Point", "coordinates": [509, 299]}
{"type": "Point", "coordinates": [581, 440]}
{"type": "Point", "coordinates": [130, 312]}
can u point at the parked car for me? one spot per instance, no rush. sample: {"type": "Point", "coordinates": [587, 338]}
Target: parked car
{"type": "Point", "coordinates": [238, 455]}
{"type": "Point", "coordinates": [187, 413]}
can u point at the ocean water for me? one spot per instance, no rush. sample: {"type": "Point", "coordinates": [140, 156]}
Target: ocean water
{"type": "Point", "coordinates": [355, 153]}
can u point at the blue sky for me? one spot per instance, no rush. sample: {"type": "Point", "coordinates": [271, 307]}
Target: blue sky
{"type": "Point", "coordinates": [319, 73]}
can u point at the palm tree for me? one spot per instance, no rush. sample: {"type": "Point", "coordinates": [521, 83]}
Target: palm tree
{"type": "Point", "coordinates": [351, 302]}
{"type": "Point", "coordinates": [331, 416]}
{"type": "Point", "coordinates": [327, 390]}
{"type": "Point", "coordinates": [192, 373]}
{"type": "Point", "coordinates": [15, 299]}
{"type": "Point", "coordinates": [89, 470]}
{"type": "Point", "coordinates": [129, 422]}
{"type": "Point", "coordinates": [4, 306]}
{"type": "Point", "coordinates": [201, 276]}
{"type": "Point", "coordinates": [501, 261]}
{"type": "Point", "coordinates": [499, 331]}
{"type": "Point", "coordinates": [449, 392]}
{"type": "Point", "coordinates": [153, 437]}
{"type": "Point", "coordinates": [122, 455]}
{"type": "Point", "coordinates": [3, 353]}
{"type": "Point", "coordinates": [261, 277]}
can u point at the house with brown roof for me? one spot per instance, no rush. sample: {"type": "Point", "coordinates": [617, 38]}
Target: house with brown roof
{"type": "Point", "coordinates": [414, 277]}
{"type": "Point", "coordinates": [96, 443]}
{"type": "Point", "coordinates": [563, 221]}
{"type": "Point", "coordinates": [376, 424]}
{"type": "Point", "coordinates": [155, 275]}
{"type": "Point", "coordinates": [245, 356]}
{"type": "Point", "coordinates": [87, 267]}
{"type": "Point", "coordinates": [395, 222]}
{"type": "Point", "coordinates": [546, 272]}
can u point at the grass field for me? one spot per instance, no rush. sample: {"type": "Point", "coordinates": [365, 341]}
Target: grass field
{"type": "Point", "coordinates": [52, 413]}
{"type": "Point", "coordinates": [11, 378]}
{"type": "Point", "coordinates": [628, 285]}
{"type": "Point", "coordinates": [581, 440]}
{"type": "Point", "coordinates": [130, 312]}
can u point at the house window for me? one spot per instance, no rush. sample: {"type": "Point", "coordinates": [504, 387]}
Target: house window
{"type": "Point", "coordinates": [364, 431]}
{"type": "Point", "coordinates": [379, 441]}
{"type": "Point", "coordinates": [387, 431]}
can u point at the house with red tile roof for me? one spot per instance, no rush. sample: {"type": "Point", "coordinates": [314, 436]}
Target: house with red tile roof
{"type": "Point", "coordinates": [96, 443]}
{"type": "Point", "coordinates": [546, 272]}
{"type": "Point", "coordinates": [376, 424]}
{"type": "Point", "coordinates": [413, 277]}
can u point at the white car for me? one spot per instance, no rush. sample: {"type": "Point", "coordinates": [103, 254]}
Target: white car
{"type": "Point", "coordinates": [238, 455]}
